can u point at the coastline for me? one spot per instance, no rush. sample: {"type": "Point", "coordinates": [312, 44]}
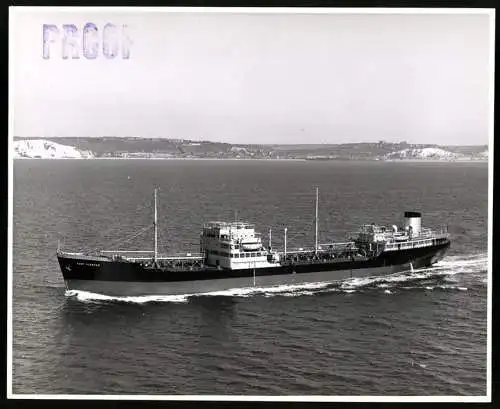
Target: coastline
{"type": "Point", "coordinates": [437, 160]}
{"type": "Point", "coordinates": [210, 159]}
{"type": "Point", "coordinates": [277, 160]}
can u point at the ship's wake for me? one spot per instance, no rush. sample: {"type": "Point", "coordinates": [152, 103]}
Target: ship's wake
{"type": "Point", "coordinates": [453, 273]}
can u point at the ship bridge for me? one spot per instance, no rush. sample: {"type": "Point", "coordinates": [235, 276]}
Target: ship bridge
{"type": "Point", "coordinates": [229, 230]}
{"type": "Point", "coordinates": [233, 245]}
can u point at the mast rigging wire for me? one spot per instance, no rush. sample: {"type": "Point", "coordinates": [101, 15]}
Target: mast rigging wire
{"type": "Point", "coordinates": [126, 240]}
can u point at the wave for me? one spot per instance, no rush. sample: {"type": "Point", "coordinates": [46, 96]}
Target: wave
{"type": "Point", "coordinates": [448, 267]}
{"type": "Point", "coordinates": [463, 264]}
{"type": "Point", "coordinates": [451, 270]}
{"type": "Point", "coordinates": [86, 296]}
{"type": "Point", "coordinates": [434, 287]}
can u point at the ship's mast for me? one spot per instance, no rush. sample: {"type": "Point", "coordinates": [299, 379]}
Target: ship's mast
{"type": "Point", "coordinates": [156, 228]}
{"type": "Point", "coordinates": [316, 223]}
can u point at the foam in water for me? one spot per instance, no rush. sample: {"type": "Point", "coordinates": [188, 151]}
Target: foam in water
{"type": "Point", "coordinates": [359, 282]}
{"type": "Point", "coordinates": [449, 266]}
{"type": "Point", "coordinates": [419, 364]}
{"type": "Point", "coordinates": [278, 289]}
{"type": "Point", "coordinates": [286, 290]}
{"type": "Point", "coordinates": [452, 287]}
{"type": "Point", "coordinates": [463, 264]}
{"type": "Point", "coordinates": [86, 296]}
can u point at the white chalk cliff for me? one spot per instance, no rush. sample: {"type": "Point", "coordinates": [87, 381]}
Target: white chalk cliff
{"type": "Point", "coordinates": [423, 153]}
{"type": "Point", "coordinates": [43, 149]}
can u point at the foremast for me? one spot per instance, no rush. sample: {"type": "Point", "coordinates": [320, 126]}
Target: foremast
{"type": "Point", "coordinates": [156, 228]}
{"type": "Point", "coordinates": [316, 224]}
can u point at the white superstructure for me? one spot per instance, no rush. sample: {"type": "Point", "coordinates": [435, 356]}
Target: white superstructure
{"type": "Point", "coordinates": [412, 235]}
{"type": "Point", "coordinates": [234, 245]}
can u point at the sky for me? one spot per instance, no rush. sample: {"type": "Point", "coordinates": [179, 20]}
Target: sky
{"type": "Point", "coordinates": [256, 77]}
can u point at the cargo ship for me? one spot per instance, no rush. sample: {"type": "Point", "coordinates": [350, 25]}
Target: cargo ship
{"type": "Point", "coordinates": [233, 256]}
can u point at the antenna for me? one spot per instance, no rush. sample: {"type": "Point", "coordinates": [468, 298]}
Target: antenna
{"type": "Point", "coordinates": [254, 263]}
{"type": "Point", "coordinates": [316, 223]}
{"type": "Point", "coordinates": [156, 228]}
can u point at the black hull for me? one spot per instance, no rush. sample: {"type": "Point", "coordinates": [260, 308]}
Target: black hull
{"type": "Point", "coordinates": [80, 270]}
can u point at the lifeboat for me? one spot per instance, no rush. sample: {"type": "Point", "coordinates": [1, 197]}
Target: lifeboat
{"type": "Point", "coordinates": [401, 238]}
{"type": "Point", "coordinates": [251, 245]}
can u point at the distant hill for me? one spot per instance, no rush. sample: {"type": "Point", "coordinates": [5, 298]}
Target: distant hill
{"type": "Point", "coordinates": [134, 147]}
